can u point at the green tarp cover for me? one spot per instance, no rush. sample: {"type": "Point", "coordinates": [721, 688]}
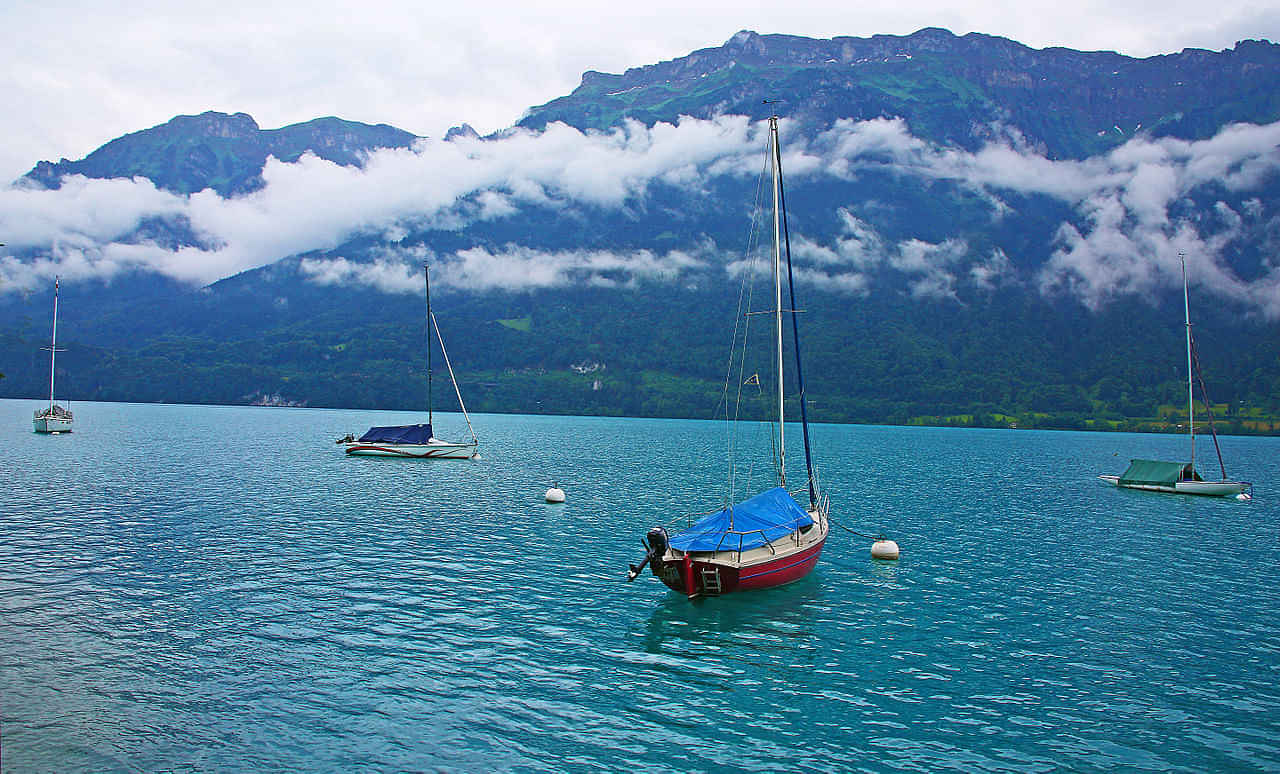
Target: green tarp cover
{"type": "Point", "coordinates": [1152, 472]}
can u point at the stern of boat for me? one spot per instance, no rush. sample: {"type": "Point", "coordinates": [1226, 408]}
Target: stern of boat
{"type": "Point", "coordinates": [1212, 488]}
{"type": "Point", "coordinates": [695, 577]}
{"type": "Point", "coordinates": [54, 419]}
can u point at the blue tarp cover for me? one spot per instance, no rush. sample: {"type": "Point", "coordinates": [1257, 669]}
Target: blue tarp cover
{"type": "Point", "coordinates": [749, 524]}
{"type": "Point", "coordinates": [397, 434]}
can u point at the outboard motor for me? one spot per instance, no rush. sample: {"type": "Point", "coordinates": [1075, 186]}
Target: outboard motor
{"type": "Point", "coordinates": [656, 542]}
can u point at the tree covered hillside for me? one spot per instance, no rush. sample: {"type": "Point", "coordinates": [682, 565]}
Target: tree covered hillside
{"type": "Point", "coordinates": [982, 234]}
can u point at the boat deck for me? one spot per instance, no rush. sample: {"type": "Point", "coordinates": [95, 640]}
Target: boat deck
{"type": "Point", "coordinates": [807, 538]}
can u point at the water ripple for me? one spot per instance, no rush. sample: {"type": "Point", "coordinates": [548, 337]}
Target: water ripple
{"type": "Point", "coordinates": [233, 594]}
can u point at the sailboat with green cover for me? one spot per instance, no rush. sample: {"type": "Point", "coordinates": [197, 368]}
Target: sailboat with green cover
{"type": "Point", "coordinates": [1182, 477]}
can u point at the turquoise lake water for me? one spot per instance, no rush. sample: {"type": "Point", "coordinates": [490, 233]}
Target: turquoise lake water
{"type": "Point", "coordinates": [201, 588]}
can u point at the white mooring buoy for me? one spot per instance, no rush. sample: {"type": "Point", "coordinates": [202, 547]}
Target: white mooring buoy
{"type": "Point", "coordinates": [884, 549]}
{"type": "Point", "coordinates": [555, 494]}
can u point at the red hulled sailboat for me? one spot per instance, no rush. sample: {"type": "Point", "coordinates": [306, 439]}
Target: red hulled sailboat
{"type": "Point", "coordinates": [769, 539]}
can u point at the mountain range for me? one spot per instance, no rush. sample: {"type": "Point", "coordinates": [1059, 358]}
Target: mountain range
{"type": "Point", "coordinates": [983, 233]}
{"type": "Point", "coordinates": [951, 90]}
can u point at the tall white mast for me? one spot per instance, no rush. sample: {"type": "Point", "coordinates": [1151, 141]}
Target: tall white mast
{"type": "Point", "coordinates": [1191, 406]}
{"type": "Point", "coordinates": [53, 345]}
{"type": "Point", "coordinates": [426, 276]}
{"type": "Point", "coordinates": [777, 294]}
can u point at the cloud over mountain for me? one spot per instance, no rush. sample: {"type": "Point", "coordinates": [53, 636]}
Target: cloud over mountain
{"type": "Point", "coordinates": [512, 268]}
{"type": "Point", "coordinates": [1129, 212]}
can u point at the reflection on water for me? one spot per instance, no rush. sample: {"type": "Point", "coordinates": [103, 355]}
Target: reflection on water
{"type": "Point", "coordinates": [763, 618]}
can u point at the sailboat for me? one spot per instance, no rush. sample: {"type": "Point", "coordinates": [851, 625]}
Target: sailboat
{"type": "Point", "coordinates": [770, 539]}
{"type": "Point", "coordinates": [54, 419]}
{"type": "Point", "coordinates": [1181, 477]}
{"type": "Point", "coordinates": [418, 440]}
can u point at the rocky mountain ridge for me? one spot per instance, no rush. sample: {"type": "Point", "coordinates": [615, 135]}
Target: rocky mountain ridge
{"type": "Point", "coordinates": [949, 88]}
{"type": "Point", "coordinates": [225, 152]}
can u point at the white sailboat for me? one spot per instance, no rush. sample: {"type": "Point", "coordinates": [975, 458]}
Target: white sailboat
{"type": "Point", "coordinates": [418, 440]}
{"type": "Point", "coordinates": [1181, 477]}
{"type": "Point", "coordinates": [54, 419]}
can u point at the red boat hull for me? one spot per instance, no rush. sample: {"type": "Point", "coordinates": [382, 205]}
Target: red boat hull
{"type": "Point", "coordinates": [695, 577]}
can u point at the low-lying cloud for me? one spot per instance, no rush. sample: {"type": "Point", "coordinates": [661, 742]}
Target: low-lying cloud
{"type": "Point", "coordinates": [1131, 242]}
{"type": "Point", "coordinates": [514, 267]}
{"type": "Point", "coordinates": [1123, 238]}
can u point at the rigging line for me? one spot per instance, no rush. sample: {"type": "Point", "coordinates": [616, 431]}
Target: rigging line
{"type": "Point", "coordinates": [737, 409]}
{"type": "Point", "coordinates": [773, 445]}
{"type": "Point", "coordinates": [729, 417]}
{"type": "Point", "coordinates": [795, 335]}
{"type": "Point", "coordinates": [724, 394]}
{"type": "Point", "coordinates": [733, 346]}
{"type": "Point", "coordinates": [453, 379]}
{"type": "Point", "coordinates": [756, 426]}
{"type": "Point", "coordinates": [747, 289]}
{"type": "Point", "coordinates": [743, 293]}
{"type": "Point", "coordinates": [1208, 408]}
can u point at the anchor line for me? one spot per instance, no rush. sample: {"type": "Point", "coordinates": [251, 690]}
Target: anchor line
{"type": "Point", "coordinates": [859, 534]}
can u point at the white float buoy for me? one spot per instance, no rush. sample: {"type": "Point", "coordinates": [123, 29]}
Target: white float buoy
{"type": "Point", "coordinates": [884, 549]}
{"type": "Point", "coordinates": [1244, 497]}
{"type": "Point", "coordinates": [555, 494]}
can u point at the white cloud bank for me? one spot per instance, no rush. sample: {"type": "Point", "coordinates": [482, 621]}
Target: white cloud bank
{"type": "Point", "coordinates": [1131, 242]}
{"type": "Point", "coordinates": [1125, 236]}
{"type": "Point", "coordinates": [513, 268]}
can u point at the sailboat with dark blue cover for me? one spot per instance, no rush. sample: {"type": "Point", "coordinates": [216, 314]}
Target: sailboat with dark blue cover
{"type": "Point", "coordinates": [418, 440]}
{"type": "Point", "coordinates": [769, 539]}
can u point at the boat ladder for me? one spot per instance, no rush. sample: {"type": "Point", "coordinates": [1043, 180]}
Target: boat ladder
{"type": "Point", "coordinates": [710, 580]}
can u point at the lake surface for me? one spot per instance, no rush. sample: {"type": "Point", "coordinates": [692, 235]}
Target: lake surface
{"type": "Point", "coordinates": [203, 588]}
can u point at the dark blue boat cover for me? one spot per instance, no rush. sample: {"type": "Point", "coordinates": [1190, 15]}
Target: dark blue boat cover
{"type": "Point", "coordinates": [397, 434]}
{"type": "Point", "coordinates": [752, 523]}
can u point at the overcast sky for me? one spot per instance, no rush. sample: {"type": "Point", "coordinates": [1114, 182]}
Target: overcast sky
{"type": "Point", "coordinates": [78, 74]}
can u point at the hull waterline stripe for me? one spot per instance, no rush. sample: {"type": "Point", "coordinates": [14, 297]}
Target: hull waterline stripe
{"type": "Point", "coordinates": [400, 453]}
{"type": "Point", "coordinates": [812, 556]}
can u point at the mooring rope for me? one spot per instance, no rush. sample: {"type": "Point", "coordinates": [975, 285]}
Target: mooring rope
{"type": "Point", "coordinates": [859, 534]}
